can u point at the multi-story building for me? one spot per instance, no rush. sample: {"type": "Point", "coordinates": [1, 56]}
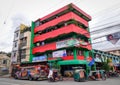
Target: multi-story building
{"type": "Point", "coordinates": [63, 37]}
{"type": "Point", "coordinates": [21, 45]}
{"type": "Point", "coordinates": [4, 64]}
{"type": "Point", "coordinates": [24, 45]}
{"type": "Point", "coordinates": [14, 54]}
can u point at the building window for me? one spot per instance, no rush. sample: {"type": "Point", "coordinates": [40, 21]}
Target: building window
{"type": "Point", "coordinates": [37, 23]}
{"type": "Point", "coordinates": [16, 34]}
{"type": "Point", "coordinates": [23, 53]}
{"type": "Point", "coordinates": [23, 41]}
{"type": "Point", "coordinates": [38, 44]}
{"type": "Point", "coordinates": [70, 52]}
{"type": "Point", "coordinates": [4, 61]}
{"type": "Point", "coordinates": [14, 54]}
{"type": "Point", "coordinates": [79, 52]}
{"type": "Point", "coordinates": [15, 45]}
{"type": "Point", "coordinates": [49, 55]}
{"type": "Point", "coordinates": [114, 58]}
{"type": "Point", "coordinates": [42, 43]}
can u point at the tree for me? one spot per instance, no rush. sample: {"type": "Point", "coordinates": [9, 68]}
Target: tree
{"type": "Point", "coordinates": [106, 64]}
{"type": "Point", "coordinates": [9, 54]}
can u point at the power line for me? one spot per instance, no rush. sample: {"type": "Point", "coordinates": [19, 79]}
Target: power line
{"type": "Point", "coordinates": [9, 12]}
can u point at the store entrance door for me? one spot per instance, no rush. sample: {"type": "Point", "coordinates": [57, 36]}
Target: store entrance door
{"type": "Point", "coordinates": [67, 70]}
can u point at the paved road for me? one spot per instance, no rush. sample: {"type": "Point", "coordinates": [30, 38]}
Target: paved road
{"type": "Point", "coordinates": [9, 81]}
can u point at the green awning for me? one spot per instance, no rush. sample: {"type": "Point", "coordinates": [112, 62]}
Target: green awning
{"type": "Point", "coordinates": [71, 62]}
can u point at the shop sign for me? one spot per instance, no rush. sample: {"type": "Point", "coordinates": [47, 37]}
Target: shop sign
{"type": "Point", "coordinates": [60, 53]}
{"type": "Point", "coordinates": [39, 58]}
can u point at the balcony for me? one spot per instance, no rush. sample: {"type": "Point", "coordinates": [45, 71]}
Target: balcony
{"type": "Point", "coordinates": [64, 30]}
{"type": "Point", "coordinates": [40, 49]}
{"type": "Point", "coordinates": [22, 44]}
{"type": "Point", "coordinates": [65, 17]}
{"type": "Point", "coordinates": [58, 45]}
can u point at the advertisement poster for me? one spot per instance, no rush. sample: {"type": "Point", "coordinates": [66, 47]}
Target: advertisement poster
{"type": "Point", "coordinates": [60, 53]}
{"type": "Point", "coordinates": [70, 42]}
{"type": "Point", "coordinates": [113, 38]}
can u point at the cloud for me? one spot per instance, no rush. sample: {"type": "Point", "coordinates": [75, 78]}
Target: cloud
{"type": "Point", "coordinates": [7, 33]}
{"type": "Point", "coordinates": [19, 19]}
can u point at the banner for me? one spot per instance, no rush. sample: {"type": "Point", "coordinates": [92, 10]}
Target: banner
{"type": "Point", "coordinates": [60, 53]}
{"type": "Point", "coordinates": [70, 42]}
{"type": "Point", "coordinates": [39, 58]}
{"type": "Point", "coordinates": [91, 62]}
{"type": "Point", "coordinates": [113, 38]}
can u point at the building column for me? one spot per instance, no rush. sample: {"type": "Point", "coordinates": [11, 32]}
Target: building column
{"type": "Point", "coordinates": [31, 42]}
{"type": "Point", "coordinates": [75, 53]}
{"type": "Point", "coordinates": [93, 54]}
{"type": "Point", "coordinates": [86, 54]}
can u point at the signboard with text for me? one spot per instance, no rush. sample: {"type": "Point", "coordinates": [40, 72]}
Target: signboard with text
{"type": "Point", "coordinates": [39, 58]}
{"type": "Point", "coordinates": [60, 53]}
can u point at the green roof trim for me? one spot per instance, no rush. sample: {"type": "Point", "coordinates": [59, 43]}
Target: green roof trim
{"type": "Point", "coordinates": [71, 62]}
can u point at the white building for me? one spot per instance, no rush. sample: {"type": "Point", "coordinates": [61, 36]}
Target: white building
{"type": "Point", "coordinates": [14, 55]}
{"type": "Point", "coordinates": [105, 23]}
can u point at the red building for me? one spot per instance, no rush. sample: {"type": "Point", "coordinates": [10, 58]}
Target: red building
{"type": "Point", "coordinates": [62, 37]}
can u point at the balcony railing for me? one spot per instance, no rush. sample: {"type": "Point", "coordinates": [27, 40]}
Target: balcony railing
{"type": "Point", "coordinates": [23, 44]}
{"type": "Point", "coordinates": [65, 17]}
{"type": "Point", "coordinates": [58, 45]}
{"type": "Point", "coordinates": [64, 30]}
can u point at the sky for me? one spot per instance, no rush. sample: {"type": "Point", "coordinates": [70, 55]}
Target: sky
{"type": "Point", "coordinates": [15, 12]}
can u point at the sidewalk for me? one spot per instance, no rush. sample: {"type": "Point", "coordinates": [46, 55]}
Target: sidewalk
{"type": "Point", "coordinates": [5, 76]}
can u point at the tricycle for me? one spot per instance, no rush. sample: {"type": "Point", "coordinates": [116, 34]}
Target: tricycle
{"type": "Point", "coordinates": [97, 75]}
{"type": "Point", "coordinates": [79, 74]}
